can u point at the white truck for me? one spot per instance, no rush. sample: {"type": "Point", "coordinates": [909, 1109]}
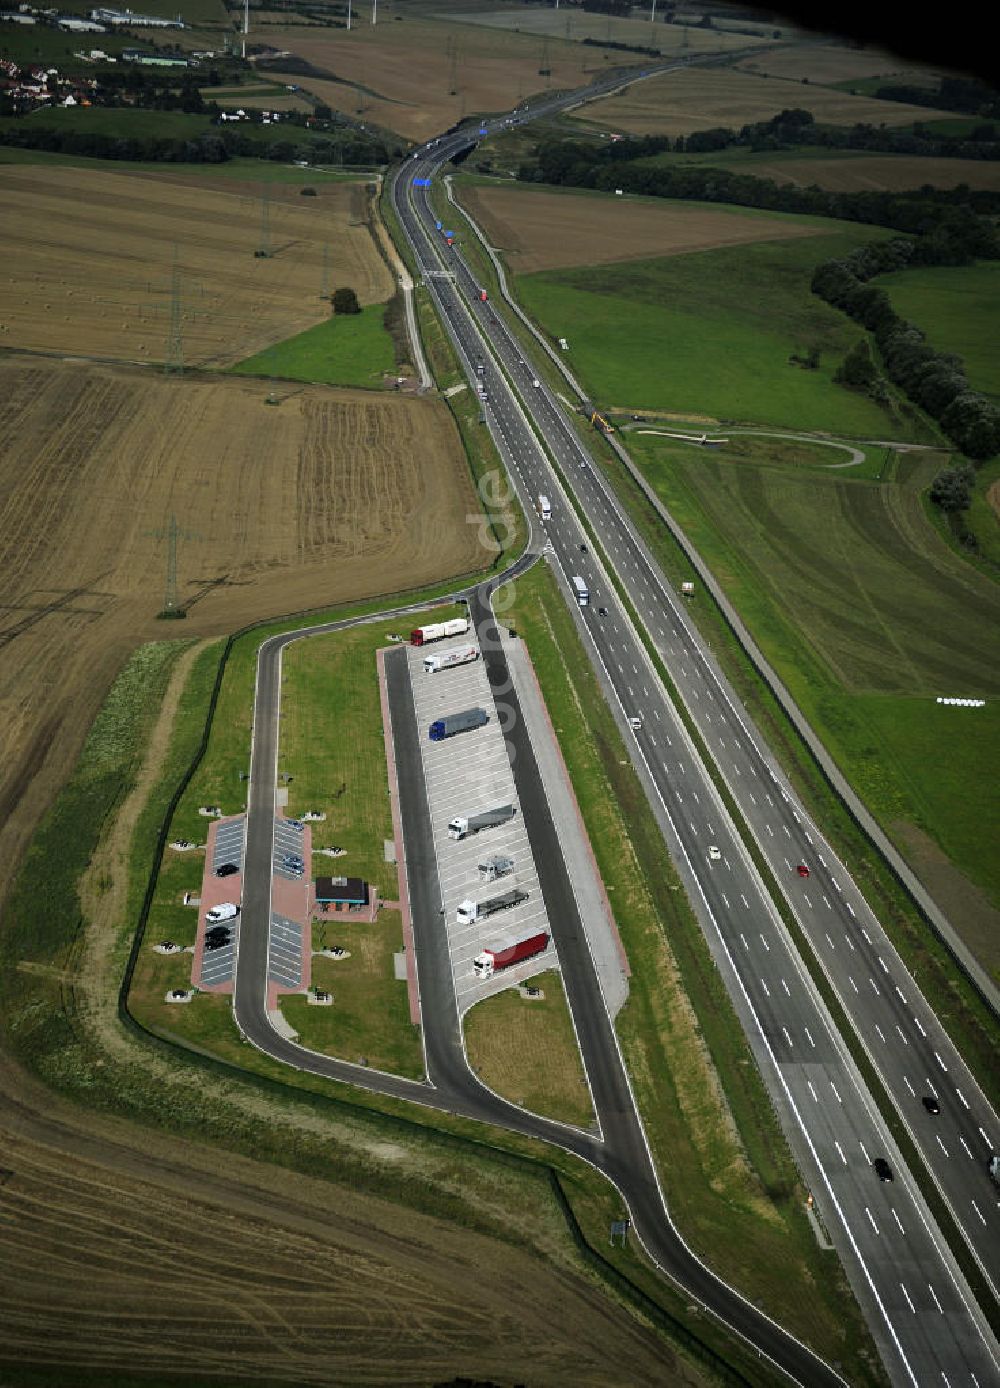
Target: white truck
{"type": "Point", "coordinates": [499, 865]}
{"type": "Point", "coordinates": [544, 508]}
{"type": "Point", "coordinates": [457, 626]}
{"type": "Point", "coordinates": [470, 911]}
{"type": "Point", "coordinates": [446, 660]}
{"type": "Point", "coordinates": [463, 825]}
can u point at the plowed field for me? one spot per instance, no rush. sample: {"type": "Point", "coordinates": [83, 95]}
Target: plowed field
{"type": "Point", "coordinates": [594, 231]}
{"type": "Point", "coordinates": [331, 496]}
{"type": "Point", "coordinates": [88, 262]}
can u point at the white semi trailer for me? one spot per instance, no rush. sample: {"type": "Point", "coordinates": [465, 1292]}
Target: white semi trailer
{"type": "Point", "coordinates": [447, 660]}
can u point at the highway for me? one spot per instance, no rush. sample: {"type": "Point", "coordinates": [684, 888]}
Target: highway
{"type": "Point", "coordinates": [918, 1305]}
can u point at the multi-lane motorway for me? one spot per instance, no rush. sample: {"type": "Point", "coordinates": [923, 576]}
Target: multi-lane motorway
{"type": "Point", "coordinates": [918, 1305]}
{"type": "Point", "coordinates": [921, 1313]}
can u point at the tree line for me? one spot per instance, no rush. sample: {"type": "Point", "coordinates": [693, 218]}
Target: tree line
{"type": "Point", "coordinates": [211, 147]}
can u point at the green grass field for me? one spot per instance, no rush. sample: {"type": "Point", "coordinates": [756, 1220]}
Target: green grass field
{"type": "Point", "coordinates": [711, 333]}
{"type": "Point", "coordinates": [242, 170]}
{"type": "Point", "coordinates": [348, 349]}
{"type": "Point", "coordinates": [370, 1016]}
{"type": "Point", "coordinates": [525, 1049]}
{"type": "Point", "coordinates": [868, 616]}
{"type": "Point", "coordinates": [125, 122]}
{"type": "Point", "coordinates": [957, 307]}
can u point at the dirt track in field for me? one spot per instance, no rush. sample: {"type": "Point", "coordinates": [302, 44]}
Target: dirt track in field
{"type": "Point", "coordinates": [680, 102]}
{"type": "Point", "coordinates": [330, 496]}
{"type": "Point", "coordinates": [87, 262]}
{"type": "Point", "coordinates": [549, 231]}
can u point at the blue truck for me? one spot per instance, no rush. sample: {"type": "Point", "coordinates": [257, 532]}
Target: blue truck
{"type": "Point", "coordinates": [454, 723]}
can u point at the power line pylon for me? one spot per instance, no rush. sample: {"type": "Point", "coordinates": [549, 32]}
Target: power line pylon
{"type": "Point", "coordinates": [263, 251]}
{"type": "Point", "coordinates": [172, 610]}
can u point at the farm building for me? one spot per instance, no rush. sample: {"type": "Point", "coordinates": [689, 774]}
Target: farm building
{"type": "Point", "coordinates": [135, 55]}
{"type": "Point", "coordinates": [136, 21]}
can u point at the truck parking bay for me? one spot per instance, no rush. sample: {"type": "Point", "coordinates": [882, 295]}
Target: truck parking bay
{"type": "Point", "coordinates": [465, 775]}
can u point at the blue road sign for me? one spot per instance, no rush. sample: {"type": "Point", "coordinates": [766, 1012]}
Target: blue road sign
{"type": "Point", "coordinates": [483, 130]}
{"type": "Point", "coordinates": [421, 183]}
{"type": "Point", "coordinates": [449, 233]}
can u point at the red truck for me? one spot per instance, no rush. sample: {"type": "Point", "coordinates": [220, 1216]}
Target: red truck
{"type": "Point", "coordinates": [509, 949]}
{"type": "Point", "coordinates": [483, 296]}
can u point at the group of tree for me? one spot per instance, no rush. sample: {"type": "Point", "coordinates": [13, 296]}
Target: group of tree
{"type": "Point", "coordinates": [963, 94]}
{"type": "Point", "coordinates": [936, 381]}
{"type": "Point", "coordinates": [585, 164]}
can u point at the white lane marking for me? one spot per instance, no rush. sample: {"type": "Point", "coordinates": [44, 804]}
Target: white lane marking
{"type": "Point", "coordinates": [819, 856]}
{"type": "Point", "coordinates": [836, 1095]}
{"type": "Point", "coordinates": [787, 830]}
{"type": "Point", "coordinates": [864, 1152]}
{"type": "Point", "coordinates": [847, 940]}
{"type": "Point", "coordinates": [881, 1033]}
{"type": "Point", "coordinates": [916, 1023]}
{"type": "Point", "coordinates": [807, 901]}
{"type": "Point", "coordinates": [840, 1150]}
{"type": "Point", "coordinates": [753, 797]}
{"type": "Point", "coordinates": [765, 944]}
{"type": "Point", "coordinates": [765, 988]}
{"type": "Point", "coordinates": [829, 941]}
{"type": "Point", "coordinates": [937, 1057]}
{"type": "Point", "coordinates": [896, 1218]}
{"type": "Point", "coordinates": [941, 1145]}
{"type": "Point", "coordinates": [796, 818]}
{"type": "Point", "coordinates": [909, 1086]}
{"type": "Point", "coordinates": [744, 900]}
{"type": "Point", "coordinates": [725, 901]}
{"type": "Point", "coordinates": [962, 1097]}
{"type": "Point", "coordinates": [849, 907]}
{"type": "Point", "coordinates": [899, 994]}
{"type": "Point", "coordinates": [908, 1301]}
{"type": "Point", "coordinates": [836, 884]}
{"type": "Point", "coordinates": [902, 1037]}
{"type": "Point", "coordinates": [744, 939]}
{"type": "Point", "coordinates": [868, 938]}
{"type": "Point", "coordinates": [882, 964]}
{"type": "Point", "coordinates": [934, 1295]}
{"type": "Point", "coordinates": [769, 830]}
{"type": "Point", "coordinates": [875, 986]}
{"type": "Point", "coordinates": [966, 1146]}
{"type": "Point", "coordinates": [978, 1211]}
{"type": "Point", "coordinates": [989, 1144]}
{"type": "Point", "coordinates": [812, 1091]}
{"type": "Point", "coordinates": [871, 1219]}
{"type": "Point", "coordinates": [852, 983]}
{"type": "Point", "coordinates": [809, 1034]}
{"type": "Point", "coordinates": [787, 1037]}
{"type": "Point", "coordinates": [785, 986]}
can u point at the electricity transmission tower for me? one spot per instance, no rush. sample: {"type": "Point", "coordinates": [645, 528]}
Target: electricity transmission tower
{"type": "Point", "coordinates": [171, 610]}
{"type": "Point", "coordinates": [263, 251]}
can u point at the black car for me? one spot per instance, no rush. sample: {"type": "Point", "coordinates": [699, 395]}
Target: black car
{"type": "Point", "coordinates": [216, 942]}
{"type": "Point", "coordinates": [602, 612]}
{"type": "Point", "coordinates": [226, 870]}
{"type": "Point", "coordinates": [882, 1169]}
{"type": "Point", "coordinates": [931, 1104]}
{"type": "Point", "coordinates": [583, 549]}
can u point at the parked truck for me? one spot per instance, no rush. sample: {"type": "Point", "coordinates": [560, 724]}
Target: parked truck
{"type": "Point", "coordinates": [454, 723]}
{"type": "Point", "coordinates": [470, 911]}
{"type": "Point", "coordinates": [463, 825]}
{"type": "Point", "coordinates": [446, 660]}
{"type": "Point", "coordinates": [509, 949]}
{"type": "Point", "coordinates": [499, 865]}
{"type": "Point", "coordinates": [457, 626]}
{"type": "Point", "coordinates": [544, 508]}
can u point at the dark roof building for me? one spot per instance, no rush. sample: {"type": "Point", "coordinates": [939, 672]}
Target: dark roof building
{"type": "Point", "coordinates": [342, 891]}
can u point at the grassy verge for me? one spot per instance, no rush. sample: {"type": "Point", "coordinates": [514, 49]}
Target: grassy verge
{"type": "Point", "coordinates": [525, 1049]}
{"type": "Point", "coordinates": [348, 350]}
{"type": "Point", "coordinates": [729, 1177]}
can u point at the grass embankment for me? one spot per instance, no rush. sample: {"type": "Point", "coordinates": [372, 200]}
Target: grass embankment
{"type": "Point", "coordinates": [472, 1175]}
{"type": "Point", "coordinates": [525, 1049]}
{"type": "Point", "coordinates": [243, 170]}
{"type": "Point", "coordinates": [349, 349]}
{"type": "Point", "coordinates": [730, 1180]}
{"type": "Point", "coordinates": [711, 333]}
{"type": "Point", "coordinates": [867, 617]}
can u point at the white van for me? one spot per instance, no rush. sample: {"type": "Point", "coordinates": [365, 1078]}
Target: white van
{"type": "Point", "coordinates": [225, 911]}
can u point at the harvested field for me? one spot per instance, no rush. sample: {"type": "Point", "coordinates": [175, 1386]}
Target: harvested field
{"type": "Point", "coordinates": [576, 25]}
{"type": "Point", "coordinates": [332, 496]}
{"type": "Point", "coordinates": [122, 1247]}
{"type": "Point", "coordinates": [523, 223]}
{"type": "Point", "coordinates": [88, 257]}
{"type": "Point", "coordinates": [877, 172]}
{"type": "Point", "coordinates": [828, 64]}
{"type": "Point", "coordinates": [680, 102]}
{"type": "Point", "coordinates": [400, 75]}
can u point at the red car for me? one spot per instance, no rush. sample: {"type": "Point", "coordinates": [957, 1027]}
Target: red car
{"type": "Point", "coordinates": [802, 870]}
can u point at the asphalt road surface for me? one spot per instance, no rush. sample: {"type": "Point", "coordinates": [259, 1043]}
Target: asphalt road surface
{"type": "Point", "coordinates": [918, 1305]}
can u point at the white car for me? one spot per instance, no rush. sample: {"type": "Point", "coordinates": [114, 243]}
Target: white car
{"type": "Point", "coordinates": [714, 854]}
{"type": "Point", "coordinates": [536, 383]}
{"type": "Point", "coordinates": [225, 911]}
